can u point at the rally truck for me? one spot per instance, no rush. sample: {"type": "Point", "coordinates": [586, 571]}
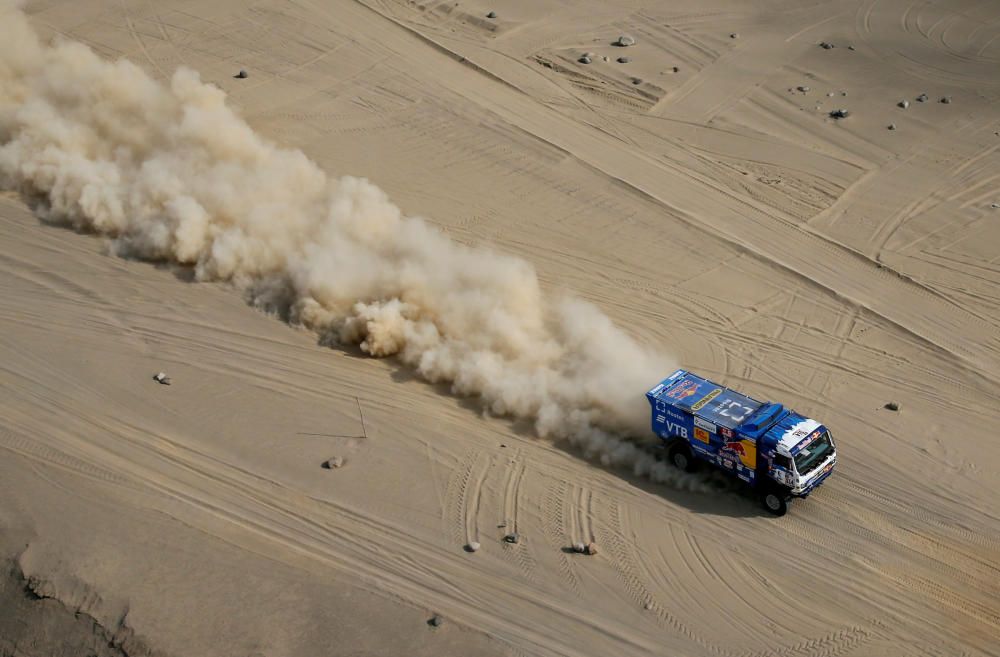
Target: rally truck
{"type": "Point", "coordinates": [775, 450]}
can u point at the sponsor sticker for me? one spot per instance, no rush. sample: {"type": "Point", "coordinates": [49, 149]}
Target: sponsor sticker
{"type": "Point", "coordinates": [809, 441]}
{"type": "Point", "coordinates": [682, 389]}
{"type": "Point", "coordinates": [749, 453]}
{"type": "Point", "coordinates": [736, 447]}
{"type": "Point", "coordinates": [727, 432]}
{"type": "Point", "coordinates": [702, 435]}
{"type": "Point", "coordinates": [675, 429]}
{"type": "Point", "coordinates": [707, 398]}
{"type": "Point", "coordinates": [705, 424]}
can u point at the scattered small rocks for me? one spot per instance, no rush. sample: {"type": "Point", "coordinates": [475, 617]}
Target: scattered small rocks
{"type": "Point", "coordinates": [850, 47]}
{"type": "Point", "coordinates": [892, 126]}
{"type": "Point", "coordinates": [512, 537]}
{"type": "Point", "coordinates": [922, 98]}
{"type": "Point", "coordinates": [473, 546]}
{"type": "Point", "coordinates": [624, 60]}
{"type": "Point", "coordinates": [242, 74]}
{"type": "Point", "coordinates": [435, 621]}
{"type": "Point", "coordinates": [829, 94]}
{"type": "Point", "coordinates": [804, 89]}
{"type": "Point", "coordinates": [636, 80]}
{"type": "Point", "coordinates": [840, 114]}
{"type": "Point", "coordinates": [491, 14]}
{"type": "Point", "coordinates": [734, 35]}
{"type": "Point", "coordinates": [161, 378]}
{"type": "Point", "coordinates": [843, 93]}
{"type": "Point", "coordinates": [605, 58]}
{"type": "Point", "coordinates": [591, 549]}
{"type": "Point", "coordinates": [826, 45]}
{"type": "Point", "coordinates": [335, 462]}
{"type": "Point", "coordinates": [624, 41]}
{"type": "Point", "coordinates": [995, 205]}
{"type": "Point", "coordinates": [946, 100]}
{"type": "Point", "coordinates": [903, 103]}
{"type": "Point", "coordinates": [892, 406]}
{"type": "Point", "coordinates": [584, 59]}
{"type": "Point", "coordinates": [677, 69]}
{"type": "Point", "coordinates": [648, 605]}
{"type": "Point", "coordinates": [579, 548]}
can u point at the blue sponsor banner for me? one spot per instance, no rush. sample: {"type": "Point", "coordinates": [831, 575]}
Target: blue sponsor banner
{"type": "Point", "coordinates": [729, 409]}
{"type": "Point", "coordinates": [707, 400]}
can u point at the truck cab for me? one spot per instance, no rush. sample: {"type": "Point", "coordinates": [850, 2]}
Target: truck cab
{"type": "Point", "coordinates": [779, 452]}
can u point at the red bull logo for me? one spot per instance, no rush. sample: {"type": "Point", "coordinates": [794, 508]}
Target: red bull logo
{"type": "Point", "coordinates": [683, 390]}
{"type": "Point", "coordinates": [745, 449]}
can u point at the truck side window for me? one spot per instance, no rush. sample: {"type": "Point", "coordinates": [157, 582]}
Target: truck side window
{"type": "Point", "coordinates": [783, 461]}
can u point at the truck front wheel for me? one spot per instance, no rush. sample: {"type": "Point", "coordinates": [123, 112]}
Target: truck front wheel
{"type": "Point", "coordinates": [775, 502]}
{"type": "Point", "coordinates": [682, 458]}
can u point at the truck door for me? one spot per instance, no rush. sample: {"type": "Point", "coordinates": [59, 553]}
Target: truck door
{"type": "Point", "coordinates": [780, 469]}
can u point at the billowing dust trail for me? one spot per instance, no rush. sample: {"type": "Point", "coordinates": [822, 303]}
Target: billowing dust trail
{"type": "Point", "coordinates": [170, 173]}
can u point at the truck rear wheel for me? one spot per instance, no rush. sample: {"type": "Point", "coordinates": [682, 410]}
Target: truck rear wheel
{"type": "Point", "coordinates": [682, 458]}
{"type": "Point", "coordinates": [775, 502]}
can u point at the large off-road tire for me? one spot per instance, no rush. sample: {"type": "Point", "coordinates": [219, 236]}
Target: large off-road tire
{"type": "Point", "coordinates": [774, 501]}
{"type": "Point", "coordinates": [682, 458]}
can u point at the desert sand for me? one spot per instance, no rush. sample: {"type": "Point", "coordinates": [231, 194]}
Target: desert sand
{"type": "Point", "coordinates": [470, 333]}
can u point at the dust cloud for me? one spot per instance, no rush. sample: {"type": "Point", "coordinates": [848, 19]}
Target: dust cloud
{"type": "Point", "coordinates": [168, 172]}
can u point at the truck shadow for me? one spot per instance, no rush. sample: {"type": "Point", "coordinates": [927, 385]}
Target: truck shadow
{"type": "Point", "coordinates": [704, 492]}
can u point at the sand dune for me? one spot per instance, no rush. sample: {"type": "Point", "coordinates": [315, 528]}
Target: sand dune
{"type": "Point", "coordinates": [714, 215]}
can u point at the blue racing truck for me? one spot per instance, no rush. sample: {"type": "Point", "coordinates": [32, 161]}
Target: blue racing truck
{"type": "Point", "coordinates": [777, 451]}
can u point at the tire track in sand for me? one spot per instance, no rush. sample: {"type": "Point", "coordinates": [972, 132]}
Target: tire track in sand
{"type": "Point", "coordinates": [331, 534]}
{"type": "Point", "coordinates": [628, 565]}
{"type": "Point", "coordinates": [142, 44]}
{"type": "Point", "coordinates": [39, 451]}
{"type": "Point", "coordinates": [834, 644]}
{"type": "Point", "coordinates": [585, 510]}
{"type": "Point", "coordinates": [463, 497]}
{"type": "Point", "coordinates": [555, 526]}
{"type": "Point", "coordinates": [510, 512]}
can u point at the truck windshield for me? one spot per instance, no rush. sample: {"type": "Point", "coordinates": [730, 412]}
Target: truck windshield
{"type": "Point", "coordinates": [814, 454]}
